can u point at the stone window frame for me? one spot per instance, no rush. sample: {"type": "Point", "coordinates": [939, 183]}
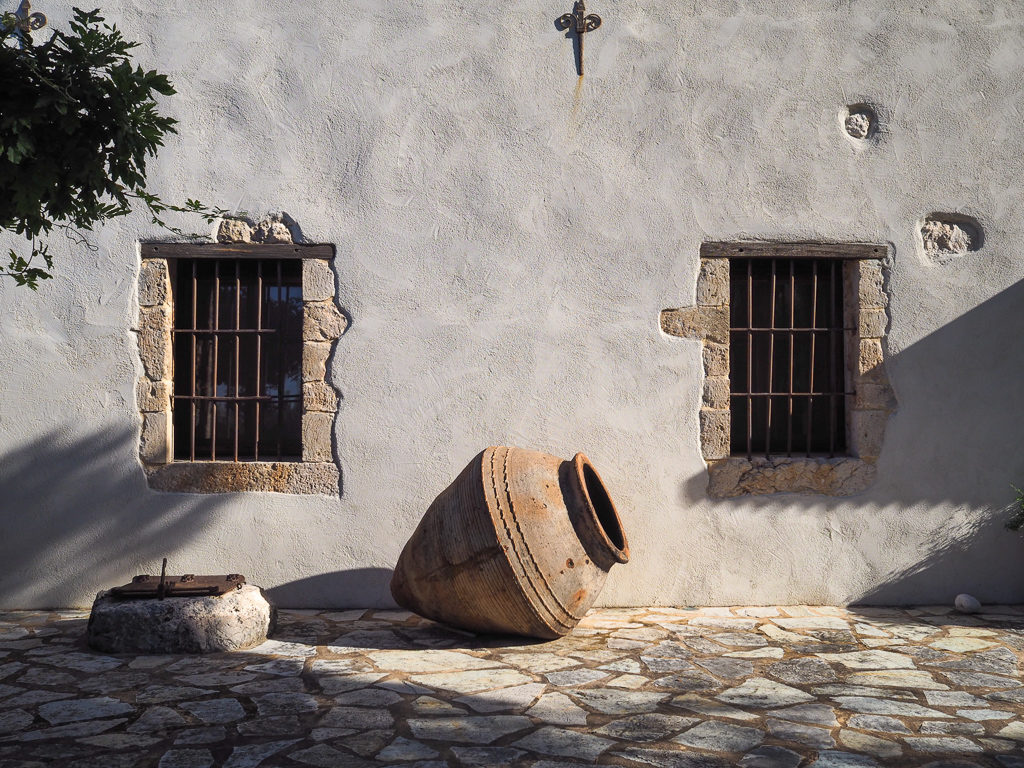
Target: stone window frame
{"type": "Point", "coordinates": [865, 306]}
{"type": "Point", "coordinates": [318, 472]}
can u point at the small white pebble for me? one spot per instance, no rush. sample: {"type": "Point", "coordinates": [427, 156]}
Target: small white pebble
{"type": "Point", "coordinates": [967, 604]}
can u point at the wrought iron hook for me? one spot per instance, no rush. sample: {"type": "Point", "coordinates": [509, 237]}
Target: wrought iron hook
{"type": "Point", "coordinates": [582, 22]}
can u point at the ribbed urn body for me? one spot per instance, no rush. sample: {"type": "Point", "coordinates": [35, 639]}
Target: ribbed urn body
{"type": "Point", "coordinates": [519, 544]}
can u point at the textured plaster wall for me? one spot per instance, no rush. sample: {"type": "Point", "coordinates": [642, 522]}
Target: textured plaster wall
{"type": "Point", "coordinates": [506, 238]}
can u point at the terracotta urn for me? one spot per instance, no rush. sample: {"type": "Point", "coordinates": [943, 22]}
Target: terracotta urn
{"type": "Point", "coordinates": [519, 544]}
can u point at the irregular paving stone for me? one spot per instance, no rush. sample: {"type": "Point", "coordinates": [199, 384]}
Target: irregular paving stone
{"type": "Point", "coordinates": [872, 659]}
{"type": "Point", "coordinates": [215, 711]}
{"type": "Point", "coordinates": [999, 661]}
{"type": "Point", "coordinates": [405, 749]}
{"type": "Point", "coordinates": [979, 679]}
{"type": "Point", "coordinates": [428, 705]}
{"type": "Point", "coordinates": [664, 664]}
{"type": "Point", "coordinates": [275, 685]}
{"type": "Point", "coordinates": [873, 745]}
{"type": "Point", "coordinates": [953, 699]}
{"type": "Point", "coordinates": [473, 680]}
{"type": "Point", "coordinates": [650, 727]}
{"type": "Point", "coordinates": [368, 697]}
{"type": "Point", "coordinates": [156, 719]}
{"type": "Point", "coordinates": [820, 714]}
{"type": "Point", "coordinates": [538, 663]}
{"type": "Point", "coordinates": [664, 758]}
{"type": "Point", "coordinates": [279, 725]}
{"type": "Point", "coordinates": [1014, 730]}
{"type": "Point", "coordinates": [359, 718]}
{"type": "Point", "coordinates": [878, 723]}
{"type": "Point", "coordinates": [613, 702]}
{"type": "Point", "coordinates": [209, 735]}
{"type": "Point", "coordinates": [809, 735]}
{"type": "Point", "coordinates": [761, 692]}
{"type": "Point", "coordinates": [119, 740]}
{"type": "Point", "coordinates": [952, 728]}
{"type": "Point", "coordinates": [770, 757]}
{"type": "Point", "coordinates": [368, 743]}
{"type": "Point", "coordinates": [324, 756]}
{"type": "Point", "coordinates": [475, 730]}
{"type": "Point", "coordinates": [217, 678]}
{"type": "Point", "coordinates": [812, 622]}
{"type": "Point", "coordinates": [550, 740]}
{"type": "Point", "coordinates": [872, 706]}
{"type": "Point", "coordinates": [559, 709]}
{"type": "Point", "coordinates": [688, 682]}
{"type": "Point", "coordinates": [428, 661]}
{"type": "Point", "coordinates": [957, 744]}
{"type": "Point", "coordinates": [740, 639]}
{"type": "Point", "coordinates": [768, 652]}
{"type": "Point", "coordinates": [628, 681]}
{"type": "Point", "coordinates": [835, 759]}
{"type": "Point", "coordinates": [1014, 696]}
{"type": "Point", "coordinates": [961, 644]}
{"type": "Point", "coordinates": [84, 662]}
{"type": "Point", "coordinates": [710, 707]}
{"type": "Point", "coordinates": [703, 645]}
{"type": "Point", "coordinates": [486, 757]}
{"type": "Point", "coordinates": [721, 737]}
{"type": "Point", "coordinates": [978, 715]}
{"type": "Point", "coordinates": [862, 690]}
{"type": "Point", "coordinates": [575, 677]}
{"type": "Point", "coordinates": [158, 694]}
{"type": "Point", "coordinates": [731, 669]}
{"type": "Point", "coordinates": [72, 730]}
{"type": "Point", "coordinates": [42, 676]}
{"type": "Point", "coordinates": [283, 667]}
{"type": "Point", "coordinates": [15, 720]}
{"type": "Point", "coordinates": [71, 710]}
{"type": "Point", "coordinates": [270, 704]}
{"type": "Point", "coordinates": [251, 755]}
{"type": "Point", "coordinates": [802, 671]}
{"type": "Point", "coordinates": [516, 697]}
{"type": "Point", "coordinates": [33, 698]}
{"type": "Point", "coordinates": [897, 678]}
{"type": "Point", "coordinates": [623, 665]}
{"type": "Point", "coordinates": [186, 758]}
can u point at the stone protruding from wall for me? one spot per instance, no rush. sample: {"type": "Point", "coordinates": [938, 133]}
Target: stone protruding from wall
{"type": "Point", "coordinates": [323, 325]}
{"type": "Point", "coordinates": [272, 228]}
{"type": "Point", "coordinates": [944, 236]}
{"type": "Point", "coordinates": [868, 411]}
{"type": "Point", "coordinates": [859, 121]}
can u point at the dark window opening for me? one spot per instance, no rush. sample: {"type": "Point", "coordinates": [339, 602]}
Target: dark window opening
{"type": "Point", "coordinates": [786, 357]}
{"type": "Point", "coordinates": [237, 359]}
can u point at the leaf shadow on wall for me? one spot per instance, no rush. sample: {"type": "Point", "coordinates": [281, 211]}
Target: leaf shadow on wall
{"type": "Point", "coordinates": [76, 517]}
{"type": "Point", "coordinates": [954, 443]}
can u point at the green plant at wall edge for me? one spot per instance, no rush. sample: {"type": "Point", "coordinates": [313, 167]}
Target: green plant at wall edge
{"type": "Point", "coordinates": [78, 121]}
{"type": "Point", "coordinates": [1016, 521]}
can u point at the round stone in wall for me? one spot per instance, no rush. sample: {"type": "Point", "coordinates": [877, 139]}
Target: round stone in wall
{"type": "Point", "coordinates": [859, 121]}
{"type": "Point", "coordinates": [235, 620]}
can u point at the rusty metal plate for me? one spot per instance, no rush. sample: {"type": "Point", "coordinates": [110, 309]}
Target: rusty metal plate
{"type": "Point", "coordinates": [188, 585]}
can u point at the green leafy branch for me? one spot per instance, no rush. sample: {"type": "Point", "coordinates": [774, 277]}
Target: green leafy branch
{"type": "Point", "coordinates": [78, 122]}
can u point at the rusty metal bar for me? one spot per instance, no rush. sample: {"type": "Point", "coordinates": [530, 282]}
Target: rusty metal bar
{"type": "Point", "coordinates": [216, 354]}
{"type": "Point", "coordinates": [771, 363]}
{"type": "Point", "coordinates": [259, 350]}
{"type": "Point", "coordinates": [238, 343]}
{"type": "Point", "coordinates": [192, 421]}
{"type": "Point", "coordinates": [224, 398]}
{"type": "Point", "coordinates": [232, 331]}
{"type": "Point", "coordinates": [814, 323]}
{"type": "Point", "coordinates": [832, 361]}
{"type": "Point", "coordinates": [280, 359]}
{"type": "Point", "coordinates": [792, 325]}
{"type": "Point", "coordinates": [750, 358]}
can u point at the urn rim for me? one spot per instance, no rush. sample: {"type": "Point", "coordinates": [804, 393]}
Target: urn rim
{"type": "Point", "coordinates": [601, 509]}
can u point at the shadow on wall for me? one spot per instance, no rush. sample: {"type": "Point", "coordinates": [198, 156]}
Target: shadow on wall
{"type": "Point", "coordinates": [48, 489]}
{"type": "Point", "coordinates": [356, 588]}
{"type": "Point", "coordinates": [954, 441]}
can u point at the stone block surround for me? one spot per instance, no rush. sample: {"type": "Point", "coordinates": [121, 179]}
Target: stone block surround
{"type": "Point", "coordinates": [323, 324]}
{"type": "Point", "coordinates": [865, 308]}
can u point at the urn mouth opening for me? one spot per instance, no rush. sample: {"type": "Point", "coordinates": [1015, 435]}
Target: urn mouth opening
{"type": "Point", "coordinates": [602, 508]}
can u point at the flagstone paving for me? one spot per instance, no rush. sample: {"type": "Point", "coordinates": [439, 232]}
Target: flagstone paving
{"type": "Point", "coordinates": [759, 687]}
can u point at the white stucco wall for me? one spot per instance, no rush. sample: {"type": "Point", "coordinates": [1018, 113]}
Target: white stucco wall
{"type": "Point", "coordinates": [506, 237]}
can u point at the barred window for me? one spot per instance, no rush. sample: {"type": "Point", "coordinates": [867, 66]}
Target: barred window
{"type": "Point", "coordinates": [787, 352]}
{"type": "Point", "coordinates": [238, 330]}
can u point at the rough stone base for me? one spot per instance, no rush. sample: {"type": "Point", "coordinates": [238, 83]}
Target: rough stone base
{"type": "Point", "coordinates": [233, 621]}
{"type": "Point", "coordinates": [735, 476]}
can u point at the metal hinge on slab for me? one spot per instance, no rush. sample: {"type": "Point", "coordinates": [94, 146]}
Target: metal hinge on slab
{"type": "Point", "coordinates": [145, 586]}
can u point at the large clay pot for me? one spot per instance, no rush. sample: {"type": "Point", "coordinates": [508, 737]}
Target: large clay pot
{"type": "Point", "coordinates": [519, 544]}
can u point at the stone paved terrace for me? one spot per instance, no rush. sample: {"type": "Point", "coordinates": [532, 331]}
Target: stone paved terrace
{"type": "Point", "coordinates": [788, 686]}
